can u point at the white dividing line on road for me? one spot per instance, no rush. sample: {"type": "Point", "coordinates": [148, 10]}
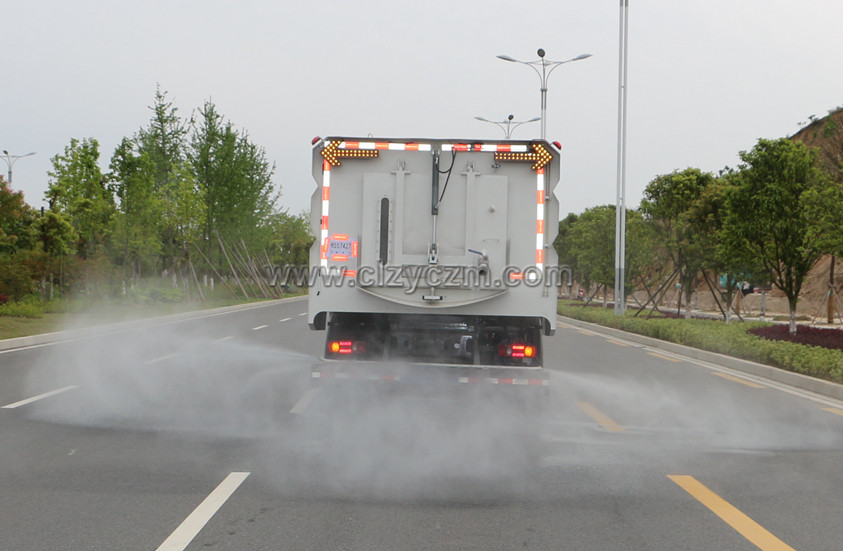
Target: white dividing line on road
{"type": "Point", "coordinates": [190, 527]}
{"type": "Point", "coordinates": [40, 397]}
{"type": "Point", "coordinates": [259, 327]}
{"type": "Point", "coordinates": [161, 358]}
{"type": "Point", "coordinates": [305, 400]}
{"type": "Point", "coordinates": [223, 339]}
{"type": "Point", "coordinates": [285, 319]}
{"type": "Point", "coordinates": [303, 314]}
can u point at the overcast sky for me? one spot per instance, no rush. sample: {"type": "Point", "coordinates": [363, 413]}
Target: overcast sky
{"type": "Point", "coordinates": [706, 79]}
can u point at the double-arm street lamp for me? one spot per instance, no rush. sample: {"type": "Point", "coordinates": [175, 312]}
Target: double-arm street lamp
{"type": "Point", "coordinates": [508, 125]}
{"type": "Point", "coordinates": [547, 67]}
{"type": "Point", "coordinates": [10, 161]}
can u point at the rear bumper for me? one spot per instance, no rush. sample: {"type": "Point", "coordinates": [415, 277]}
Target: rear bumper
{"type": "Point", "coordinates": [427, 375]}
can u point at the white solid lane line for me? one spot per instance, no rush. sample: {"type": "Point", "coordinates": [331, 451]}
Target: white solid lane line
{"type": "Point", "coordinates": [161, 358]}
{"type": "Point", "coordinates": [39, 397]}
{"type": "Point", "coordinates": [200, 516]}
{"type": "Point", "coordinates": [305, 400]}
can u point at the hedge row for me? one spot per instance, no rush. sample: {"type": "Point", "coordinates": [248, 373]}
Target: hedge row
{"type": "Point", "coordinates": [716, 336]}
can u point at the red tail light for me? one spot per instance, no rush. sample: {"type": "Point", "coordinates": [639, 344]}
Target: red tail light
{"type": "Point", "coordinates": [516, 351]}
{"type": "Point", "coordinates": [346, 347]}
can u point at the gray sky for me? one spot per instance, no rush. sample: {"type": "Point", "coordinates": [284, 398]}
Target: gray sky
{"type": "Point", "coordinates": [706, 79]}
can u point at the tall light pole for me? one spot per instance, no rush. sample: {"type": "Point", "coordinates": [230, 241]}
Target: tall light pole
{"type": "Point", "coordinates": [10, 161]}
{"type": "Point", "coordinates": [508, 125]}
{"type": "Point", "coordinates": [620, 212]}
{"type": "Point", "coordinates": [547, 67]}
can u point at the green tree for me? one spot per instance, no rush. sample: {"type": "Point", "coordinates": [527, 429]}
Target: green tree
{"type": "Point", "coordinates": [78, 189]}
{"type": "Point", "coordinates": [57, 236]}
{"type": "Point", "coordinates": [183, 214]}
{"type": "Point", "coordinates": [136, 226]}
{"type": "Point", "coordinates": [642, 256]}
{"type": "Point", "coordinates": [562, 244]}
{"type": "Point", "coordinates": [780, 197]}
{"type": "Point", "coordinates": [592, 240]}
{"type": "Point", "coordinates": [165, 143]}
{"type": "Point", "coordinates": [668, 200]}
{"type": "Point", "coordinates": [234, 176]}
{"type": "Point", "coordinates": [706, 219]}
{"type": "Point", "coordinates": [17, 221]}
{"type": "Point", "coordinates": [291, 238]}
{"type": "Point", "coordinates": [56, 233]}
{"type": "Point", "coordinates": [164, 140]}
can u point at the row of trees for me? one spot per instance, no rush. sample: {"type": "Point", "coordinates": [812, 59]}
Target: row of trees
{"type": "Point", "coordinates": [176, 195]}
{"type": "Point", "coordinates": [767, 221]}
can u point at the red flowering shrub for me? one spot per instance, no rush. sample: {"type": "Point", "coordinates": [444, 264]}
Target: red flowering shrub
{"type": "Point", "coordinates": [805, 334]}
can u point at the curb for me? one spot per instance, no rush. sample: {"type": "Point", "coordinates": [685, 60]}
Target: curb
{"type": "Point", "coordinates": [71, 334]}
{"type": "Point", "coordinates": [797, 380]}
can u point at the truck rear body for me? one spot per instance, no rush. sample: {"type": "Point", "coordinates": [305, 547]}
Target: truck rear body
{"type": "Point", "coordinates": [435, 254]}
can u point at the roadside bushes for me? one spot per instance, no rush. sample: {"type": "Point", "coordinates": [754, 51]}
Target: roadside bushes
{"type": "Point", "coordinates": [734, 339]}
{"type": "Point", "coordinates": [24, 309]}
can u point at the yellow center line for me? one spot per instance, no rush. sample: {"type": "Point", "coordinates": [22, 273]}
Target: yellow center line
{"type": "Point", "coordinates": [601, 418]}
{"type": "Point", "coordinates": [738, 380]}
{"type": "Point", "coordinates": [668, 358]}
{"type": "Point", "coordinates": [731, 515]}
{"type": "Point", "coordinates": [834, 410]}
{"type": "Point", "coordinates": [617, 342]}
{"type": "Point", "coordinates": [589, 333]}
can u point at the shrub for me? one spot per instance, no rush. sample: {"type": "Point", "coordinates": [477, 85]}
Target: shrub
{"type": "Point", "coordinates": [22, 310]}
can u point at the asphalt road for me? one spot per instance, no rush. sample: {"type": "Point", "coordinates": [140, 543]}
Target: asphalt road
{"type": "Point", "coordinates": [204, 434]}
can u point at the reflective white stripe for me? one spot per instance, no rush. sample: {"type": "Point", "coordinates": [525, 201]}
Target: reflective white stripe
{"type": "Point", "coordinates": [326, 184]}
{"type": "Point", "coordinates": [540, 192]}
{"type": "Point", "coordinates": [493, 147]}
{"type": "Point", "coordinates": [393, 146]}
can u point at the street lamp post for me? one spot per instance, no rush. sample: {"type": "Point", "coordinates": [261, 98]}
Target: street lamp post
{"type": "Point", "coordinates": [508, 125]}
{"type": "Point", "coordinates": [547, 67]}
{"type": "Point", "coordinates": [10, 161]}
{"type": "Point", "coordinates": [620, 212]}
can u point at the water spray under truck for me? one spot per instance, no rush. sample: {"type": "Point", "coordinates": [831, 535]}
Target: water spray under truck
{"type": "Point", "coordinates": [435, 260]}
